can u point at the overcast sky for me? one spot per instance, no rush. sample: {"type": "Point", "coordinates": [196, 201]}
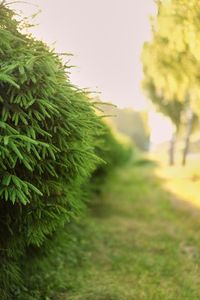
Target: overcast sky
{"type": "Point", "coordinates": [106, 38]}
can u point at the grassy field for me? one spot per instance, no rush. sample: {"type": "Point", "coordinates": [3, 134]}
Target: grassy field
{"type": "Point", "coordinates": [142, 243]}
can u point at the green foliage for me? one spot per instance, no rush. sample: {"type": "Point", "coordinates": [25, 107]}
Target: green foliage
{"type": "Point", "coordinates": [171, 65]}
{"type": "Point", "coordinates": [171, 108]}
{"type": "Point", "coordinates": [48, 129]}
{"type": "Point", "coordinates": [171, 59]}
{"type": "Point", "coordinates": [113, 153]}
{"type": "Point", "coordinates": [50, 143]}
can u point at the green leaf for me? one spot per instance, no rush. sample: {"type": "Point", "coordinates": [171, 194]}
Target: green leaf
{"type": "Point", "coordinates": [33, 188]}
{"type": "Point", "coordinates": [6, 180]}
{"type": "Point", "coordinates": [6, 78]}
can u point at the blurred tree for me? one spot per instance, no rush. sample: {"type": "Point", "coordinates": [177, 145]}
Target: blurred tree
{"type": "Point", "coordinates": [132, 123]}
{"type": "Point", "coordinates": [172, 109]}
{"type": "Point", "coordinates": [171, 61]}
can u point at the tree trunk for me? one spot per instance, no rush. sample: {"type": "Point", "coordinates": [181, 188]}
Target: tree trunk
{"type": "Point", "coordinates": [172, 150]}
{"type": "Point", "coordinates": [187, 138]}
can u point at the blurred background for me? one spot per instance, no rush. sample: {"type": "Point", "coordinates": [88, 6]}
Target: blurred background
{"type": "Point", "coordinates": [124, 52]}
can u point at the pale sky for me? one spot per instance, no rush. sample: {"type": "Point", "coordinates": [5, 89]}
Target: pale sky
{"type": "Point", "coordinates": [106, 38]}
{"type": "Point", "coordinates": [161, 128]}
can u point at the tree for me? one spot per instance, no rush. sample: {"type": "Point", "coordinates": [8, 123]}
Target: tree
{"type": "Point", "coordinates": [131, 123]}
{"type": "Point", "coordinates": [171, 58]}
{"type": "Point", "coordinates": [172, 109]}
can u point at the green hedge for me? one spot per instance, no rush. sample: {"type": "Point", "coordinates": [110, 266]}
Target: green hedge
{"type": "Point", "coordinates": [50, 144]}
{"type": "Point", "coordinates": [112, 151]}
{"type": "Point", "coordinates": [48, 129]}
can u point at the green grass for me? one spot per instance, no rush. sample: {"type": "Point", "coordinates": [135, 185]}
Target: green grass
{"type": "Point", "coordinates": [139, 243]}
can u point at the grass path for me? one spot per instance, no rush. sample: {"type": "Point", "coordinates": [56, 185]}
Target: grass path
{"type": "Point", "coordinates": [142, 244]}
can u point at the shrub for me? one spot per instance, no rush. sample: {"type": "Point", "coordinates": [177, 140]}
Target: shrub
{"type": "Point", "coordinates": [51, 142]}
{"type": "Point", "coordinates": [48, 129]}
{"type": "Point", "coordinates": [114, 150]}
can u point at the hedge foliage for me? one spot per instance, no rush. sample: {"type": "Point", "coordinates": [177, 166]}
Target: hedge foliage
{"type": "Point", "coordinates": [114, 151]}
{"type": "Point", "coordinates": [49, 148]}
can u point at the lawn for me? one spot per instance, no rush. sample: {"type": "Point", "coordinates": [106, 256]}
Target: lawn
{"type": "Point", "coordinates": [142, 243]}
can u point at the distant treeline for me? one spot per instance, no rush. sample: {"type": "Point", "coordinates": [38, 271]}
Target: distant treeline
{"type": "Point", "coordinates": [133, 124]}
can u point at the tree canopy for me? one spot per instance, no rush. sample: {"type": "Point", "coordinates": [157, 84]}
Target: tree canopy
{"type": "Point", "coordinates": [171, 58]}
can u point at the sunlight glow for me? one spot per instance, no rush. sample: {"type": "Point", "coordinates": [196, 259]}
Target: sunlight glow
{"type": "Point", "coordinates": [161, 128]}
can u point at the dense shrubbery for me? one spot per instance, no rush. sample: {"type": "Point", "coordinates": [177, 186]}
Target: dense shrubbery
{"type": "Point", "coordinates": [113, 151]}
{"type": "Point", "coordinates": [49, 147]}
